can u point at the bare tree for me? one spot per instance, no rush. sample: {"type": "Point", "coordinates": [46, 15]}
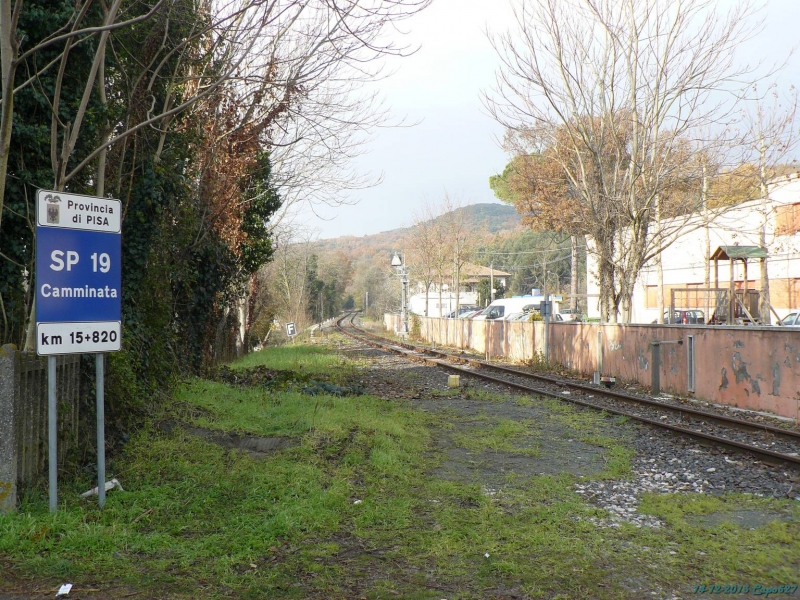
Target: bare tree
{"type": "Point", "coordinates": [371, 275]}
{"type": "Point", "coordinates": [770, 135]}
{"type": "Point", "coordinates": [420, 245]}
{"type": "Point", "coordinates": [292, 70]}
{"type": "Point", "coordinates": [612, 92]}
{"type": "Point", "coordinates": [431, 251]}
{"type": "Point", "coordinates": [285, 278]}
{"type": "Point", "coordinates": [12, 56]}
{"type": "Point", "coordinates": [460, 239]}
{"type": "Point", "coordinates": [292, 65]}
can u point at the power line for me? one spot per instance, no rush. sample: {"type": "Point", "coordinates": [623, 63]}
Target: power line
{"type": "Point", "coordinates": [492, 253]}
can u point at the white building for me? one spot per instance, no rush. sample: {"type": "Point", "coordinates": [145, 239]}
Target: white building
{"type": "Point", "coordinates": [416, 304]}
{"type": "Point", "coordinates": [471, 275]}
{"type": "Point", "coordinates": [684, 261]}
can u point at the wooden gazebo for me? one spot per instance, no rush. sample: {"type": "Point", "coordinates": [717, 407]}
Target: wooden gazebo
{"type": "Point", "coordinates": [749, 302]}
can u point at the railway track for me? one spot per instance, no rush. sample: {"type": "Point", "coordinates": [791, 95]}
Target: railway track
{"type": "Point", "coordinates": [768, 443]}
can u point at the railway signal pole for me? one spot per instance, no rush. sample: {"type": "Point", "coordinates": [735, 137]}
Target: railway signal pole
{"type": "Point", "coordinates": [400, 266]}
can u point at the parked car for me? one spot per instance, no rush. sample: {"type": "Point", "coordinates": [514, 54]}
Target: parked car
{"type": "Point", "coordinates": [471, 314]}
{"type": "Point", "coordinates": [462, 310]}
{"type": "Point", "coordinates": [504, 306]}
{"type": "Point", "coordinates": [571, 314]}
{"type": "Point", "coordinates": [526, 316]}
{"type": "Point", "coordinates": [684, 317]}
{"type": "Point", "coordinates": [791, 320]}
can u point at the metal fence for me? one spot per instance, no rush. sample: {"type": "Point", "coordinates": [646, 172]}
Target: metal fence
{"type": "Point", "coordinates": [23, 414]}
{"type": "Point", "coordinates": [32, 423]}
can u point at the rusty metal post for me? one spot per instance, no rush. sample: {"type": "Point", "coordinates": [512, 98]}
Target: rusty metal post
{"type": "Point", "coordinates": [655, 364]}
{"type": "Point", "coordinates": [655, 368]}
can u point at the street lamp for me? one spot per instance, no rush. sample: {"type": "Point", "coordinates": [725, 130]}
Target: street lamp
{"type": "Point", "coordinates": [399, 265]}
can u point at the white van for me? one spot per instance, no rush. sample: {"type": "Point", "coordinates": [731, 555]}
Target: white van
{"type": "Point", "coordinates": [500, 309]}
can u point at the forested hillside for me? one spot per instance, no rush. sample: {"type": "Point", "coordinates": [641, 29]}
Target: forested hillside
{"type": "Point", "coordinates": [310, 281]}
{"type": "Point", "coordinates": [499, 219]}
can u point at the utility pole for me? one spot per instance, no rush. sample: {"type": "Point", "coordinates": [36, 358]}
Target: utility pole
{"type": "Point", "coordinates": [456, 281]}
{"type": "Point", "coordinates": [573, 284]}
{"type": "Point", "coordinates": [404, 282]}
{"type": "Point", "coordinates": [491, 282]}
{"type": "Point", "coordinates": [545, 310]}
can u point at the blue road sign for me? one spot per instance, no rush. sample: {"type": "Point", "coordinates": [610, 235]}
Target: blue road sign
{"type": "Point", "coordinates": [78, 274]}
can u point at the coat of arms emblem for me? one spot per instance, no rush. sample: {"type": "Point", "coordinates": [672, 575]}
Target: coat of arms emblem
{"type": "Point", "coordinates": [53, 210]}
{"type": "Point", "coordinates": [53, 213]}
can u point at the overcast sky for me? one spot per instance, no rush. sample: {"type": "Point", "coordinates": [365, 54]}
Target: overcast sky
{"type": "Point", "coordinates": [454, 148]}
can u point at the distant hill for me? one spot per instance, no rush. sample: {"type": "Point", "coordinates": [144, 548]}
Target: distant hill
{"type": "Point", "coordinates": [489, 219]}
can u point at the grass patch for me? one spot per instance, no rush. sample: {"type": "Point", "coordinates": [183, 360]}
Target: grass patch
{"type": "Point", "coordinates": [313, 359]}
{"type": "Point", "coordinates": [261, 412]}
{"type": "Point", "coordinates": [468, 393]}
{"type": "Point", "coordinates": [591, 427]}
{"type": "Point", "coordinates": [502, 435]}
{"type": "Point", "coordinates": [720, 537]}
{"type": "Point", "coordinates": [195, 512]}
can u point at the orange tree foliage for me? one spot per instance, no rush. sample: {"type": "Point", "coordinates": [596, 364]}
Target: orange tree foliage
{"type": "Point", "coordinates": [235, 200]}
{"type": "Point", "coordinates": [579, 179]}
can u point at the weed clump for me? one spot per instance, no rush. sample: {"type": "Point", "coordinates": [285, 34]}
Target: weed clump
{"type": "Point", "coordinates": [285, 380]}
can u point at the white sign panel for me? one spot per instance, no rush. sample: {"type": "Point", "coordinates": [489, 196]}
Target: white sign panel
{"type": "Point", "coordinates": [290, 330]}
{"type": "Point", "coordinates": [78, 338]}
{"type": "Point", "coordinates": [56, 209]}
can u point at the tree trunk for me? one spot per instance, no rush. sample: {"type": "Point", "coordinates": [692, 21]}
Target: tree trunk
{"type": "Point", "coordinates": [100, 186]}
{"type": "Point", "coordinates": [458, 289]}
{"type": "Point", "coordinates": [606, 276]}
{"type": "Point", "coordinates": [764, 300]}
{"type": "Point", "coordinates": [71, 134]}
{"type": "Point", "coordinates": [659, 267]}
{"type": "Point", "coordinates": [707, 249]}
{"type": "Point", "coordinates": [7, 70]}
{"type": "Point", "coordinates": [660, 288]}
{"type": "Point", "coordinates": [573, 284]}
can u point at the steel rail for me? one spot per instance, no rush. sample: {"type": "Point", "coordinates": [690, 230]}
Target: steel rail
{"type": "Point", "coordinates": [701, 414]}
{"type": "Point", "coordinates": [767, 455]}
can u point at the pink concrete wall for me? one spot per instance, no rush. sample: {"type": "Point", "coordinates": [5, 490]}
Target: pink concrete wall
{"type": "Point", "coordinates": [516, 341]}
{"type": "Point", "coordinates": [750, 367]}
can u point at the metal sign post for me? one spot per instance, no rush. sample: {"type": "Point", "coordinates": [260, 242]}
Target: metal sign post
{"type": "Point", "coordinates": [99, 360]}
{"type": "Point", "coordinates": [52, 433]}
{"type": "Point", "coordinates": [546, 310]}
{"type": "Point", "coordinates": [78, 298]}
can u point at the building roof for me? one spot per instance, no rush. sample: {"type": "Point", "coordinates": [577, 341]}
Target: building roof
{"type": "Point", "coordinates": [729, 252]}
{"type": "Point", "coordinates": [471, 270]}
